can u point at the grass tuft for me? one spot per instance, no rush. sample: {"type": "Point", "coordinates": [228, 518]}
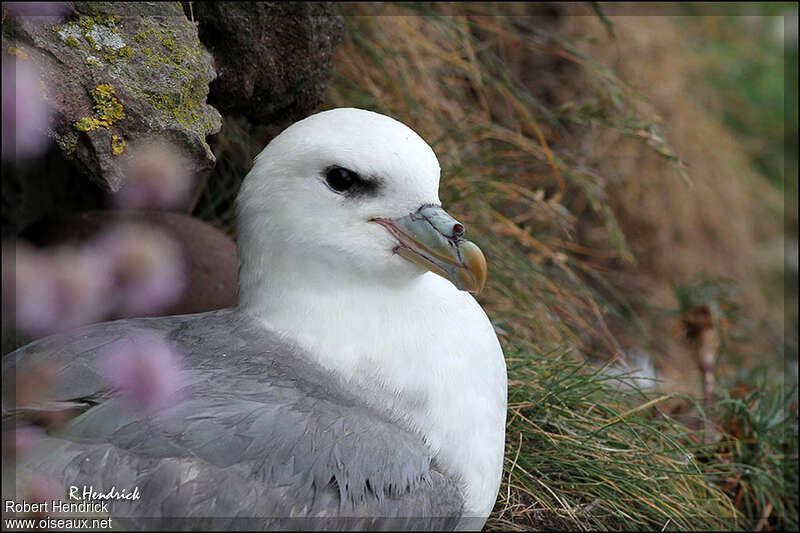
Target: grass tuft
{"type": "Point", "coordinates": [606, 456]}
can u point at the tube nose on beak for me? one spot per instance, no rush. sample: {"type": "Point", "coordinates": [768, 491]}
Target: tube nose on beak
{"type": "Point", "coordinates": [441, 221]}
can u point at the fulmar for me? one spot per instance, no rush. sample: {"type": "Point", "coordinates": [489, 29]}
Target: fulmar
{"type": "Point", "coordinates": [357, 384]}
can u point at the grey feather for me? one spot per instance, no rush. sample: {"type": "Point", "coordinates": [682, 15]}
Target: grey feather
{"type": "Point", "coordinates": [259, 438]}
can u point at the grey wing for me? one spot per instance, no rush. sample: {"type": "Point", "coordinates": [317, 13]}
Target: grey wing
{"type": "Point", "coordinates": [259, 438]}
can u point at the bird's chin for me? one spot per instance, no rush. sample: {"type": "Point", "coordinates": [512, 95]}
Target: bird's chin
{"type": "Point", "coordinates": [403, 270]}
{"type": "Point", "coordinates": [462, 276]}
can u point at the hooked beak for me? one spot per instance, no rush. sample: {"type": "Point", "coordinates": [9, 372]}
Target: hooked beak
{"type": "Point", "coordinates": [432, 239]}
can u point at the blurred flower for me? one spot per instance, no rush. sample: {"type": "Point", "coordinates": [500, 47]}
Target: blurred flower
{"type": "Point", "coordinates": [40, 489]}
{"type": "Point", "coordinates": [53, 290]}
{"type": "Point", "coordinates": [34, 383]}
{"type": "Point", "coordinates": [26, 117]}
{"type": "Point", "coordinates": [143, 370]}
{"type": "Point", "coordinates": [145, 265]}
{"type": "Point", "coordinates": [157, 177]}
{"type": "Point", "coordinates": [21, 438]}
{"type": "Point", "coordinates": [53, 11]}
{"type": "Point", "coordinates": [130, 269]}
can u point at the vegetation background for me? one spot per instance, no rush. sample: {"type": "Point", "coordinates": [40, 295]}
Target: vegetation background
{"type": "Point", "coordinates": [631, 173]}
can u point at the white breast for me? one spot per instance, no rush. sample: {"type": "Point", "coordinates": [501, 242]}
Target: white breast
{"type": "Point", "coordinates": [427, 355]}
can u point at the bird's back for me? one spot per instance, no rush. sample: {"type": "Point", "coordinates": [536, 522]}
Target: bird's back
{"type": "Point", "coordinates": [256, 435]}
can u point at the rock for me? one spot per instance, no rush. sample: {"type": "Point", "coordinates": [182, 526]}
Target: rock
{"type": "Point", "coordinates": [272, 57]}
{"type": "Point", "coordinates": [46, 185]}
{"type": "Point", "coordinates": [117, 74]}
{"type": "Point", "coordinates": [209, 255]}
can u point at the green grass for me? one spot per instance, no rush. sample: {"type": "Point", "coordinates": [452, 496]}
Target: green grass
{"type": "Point", "coordinates": [757, 460]}
{"type": "Point", "coordinates": [588, 450]}
{"type": "Point", "coordinates": [596, 452]}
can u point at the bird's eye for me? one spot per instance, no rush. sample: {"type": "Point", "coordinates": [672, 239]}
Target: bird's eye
{"type": "Point", "coordinates": [340, 179]}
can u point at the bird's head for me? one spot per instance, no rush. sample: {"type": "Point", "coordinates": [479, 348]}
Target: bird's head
{"type": "Point", "coordinates": [350, 194]}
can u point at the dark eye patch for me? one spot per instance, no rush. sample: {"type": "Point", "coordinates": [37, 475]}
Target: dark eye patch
{"type": "Point", "coordinates": [349, 183]}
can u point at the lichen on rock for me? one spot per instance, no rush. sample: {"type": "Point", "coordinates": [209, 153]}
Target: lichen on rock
{"type": "Point", "coordinates": [66, 142]}
{"type": "Point", "coordinates": [115, 71]}
{"type": "Point", "coordinates": [117, 145]}
{"type": "Point", "coordinates": [105, 103]}
{"type": "Point", "coordinates": [107, 107]}
{"type": "Point", "coordinates": [106, 37]}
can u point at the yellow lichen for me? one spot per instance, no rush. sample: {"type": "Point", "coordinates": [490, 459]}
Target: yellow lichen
{"type": "Point", "coordinates": [168, 43]}
{"type": "Point", "coordinates": [117, 145]}
{"type": "Point", "coordinates": [159, 48]}
{"type": "Point", "coordinates": [72, 41]}
{"type": "Point", "coordinates": [86, 23]}
{"type": "Point", "coordinates": [143, 35]}
{"type": "Point", "coordinates": [107, 20]}
{"type": "Point", "coordinates": [90, 40]}
{"type": "Point", "coordinates": [112, 56]}
{"type": "Point", "coordinates": [106, 106]}
{"type": "Point", "coordinates": [89, 124]}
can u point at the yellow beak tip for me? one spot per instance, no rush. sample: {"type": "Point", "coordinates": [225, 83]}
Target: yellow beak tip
{"type": "Point", "coordinates": [475, 263]}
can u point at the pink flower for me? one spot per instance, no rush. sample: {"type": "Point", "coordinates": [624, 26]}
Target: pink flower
{"type": "Point", "coordinates": [143, 370]}
{"type": "Point", "coordinates": [26, 117]}
{"type": "Point", "coordinates": [52, 12]}
{"type": "Point", "coordinates": [53, 290]}
{"type": "Point", "coordinates": [23, 437]}
{"type": "Point", "coordinates": [132, 269]}
{"type": "Point", "coordinates": [146, 267]}
{"type": "Point", "coordinates": [158, 177]}
{"type": "Point", "coordinates": [40, 489]}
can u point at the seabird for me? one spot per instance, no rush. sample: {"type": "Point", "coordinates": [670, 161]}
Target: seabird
{"type": "Point", "coordinates": [357, 383]}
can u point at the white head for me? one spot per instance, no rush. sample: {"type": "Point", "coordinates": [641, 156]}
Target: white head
{"type": "Point", "coordinates": [302, 217]}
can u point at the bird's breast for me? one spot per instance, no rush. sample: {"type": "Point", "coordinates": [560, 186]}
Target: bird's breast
{"type": "Point", "coordinates": [427, 358]}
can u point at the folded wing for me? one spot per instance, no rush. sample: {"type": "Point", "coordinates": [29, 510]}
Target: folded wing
{"type": "Point", "coordinates": [257, 437]}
